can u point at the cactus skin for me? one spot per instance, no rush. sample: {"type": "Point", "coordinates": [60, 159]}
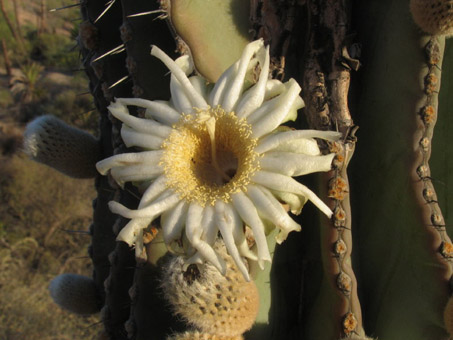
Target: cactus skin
{"type": "Point", "coordinates": [412, 261]}
{"type": "Point", "coordinates": [448, 316]}
{"type": "Point", "coordinates": [402, 268]}
{"type": "Point", "coordinates": [228, 32]}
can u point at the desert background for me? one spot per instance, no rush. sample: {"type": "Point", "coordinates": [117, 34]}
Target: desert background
{"type": "Point", "coordinates": [44, 215]}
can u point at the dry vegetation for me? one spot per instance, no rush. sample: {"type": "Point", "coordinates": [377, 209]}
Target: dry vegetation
{"type": "Point", "coordinates": [44, 216]}
{"type": "Point", "coordinates": [38, 209]}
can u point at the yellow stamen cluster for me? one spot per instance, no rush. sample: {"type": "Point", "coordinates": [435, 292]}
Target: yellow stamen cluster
{"type": "Point", "coordinates": [209, 156]}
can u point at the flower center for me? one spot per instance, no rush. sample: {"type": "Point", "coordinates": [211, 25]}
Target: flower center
{"type": "Point", "coordinates": [209, 155]}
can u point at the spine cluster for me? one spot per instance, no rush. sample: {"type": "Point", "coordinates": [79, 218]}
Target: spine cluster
{"type": "Point", "coordinates": [224, 306]}
{"type": "Point", "coordinates": [195, 335]}
{"type": "Point", "coordinates": [72, 151]}
{"type": "Point", "coordinates": [433, 16]}
{"type": "Point", "coordinates": [76, 293]}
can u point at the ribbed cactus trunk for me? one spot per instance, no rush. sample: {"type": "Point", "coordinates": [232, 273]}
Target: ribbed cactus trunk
{"type": "Point", "coordinates": [381, 267]}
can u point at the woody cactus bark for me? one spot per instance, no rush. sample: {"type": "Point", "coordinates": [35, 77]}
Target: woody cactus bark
{"type": "Point", "coordinates": [381, 267]}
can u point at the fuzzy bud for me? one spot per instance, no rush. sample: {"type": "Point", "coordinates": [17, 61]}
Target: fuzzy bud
{"type": "Point", "coordinates": [433, 16]}
{"type": "Point", "coordinates": [51, 141]}
{"type": "Point", "coordinates": [222, 305]}
{"type": "Point", "coordinates": [76, 293]}
{"type": "Point", "coordinates": [195, 335]}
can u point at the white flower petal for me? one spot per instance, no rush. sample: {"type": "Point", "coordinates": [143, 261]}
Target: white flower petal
{"type": "Point", "coordinates": [210, 229]}
{"type": "Point", "coordinates": [295, 202]}
{"type": "Point", "coordinates": [234, 90]}
{"type": "Point", "coordinates": [277, 112]}
{"type": "Point", "coordinates": [157, 187]}
{"type": "Point", "coordinates": [163, 113]}
{"type": "Point", "coordinates": [200, 85]}
{"type": "Point", "coordinates": [126, 159]}
{"type": "Point", "coordinates": [173, 221]}
{"type": "Point", "coordinates": [180, 100]}
{"type": "Point", "coordinates": [161, 204]}
{"type": "Point", "coordinates": [185, 63]}
{"type": "Point", "coordinates": [132, 229]}
{"type": "Point", "coordinates": [249, 215]}
{"type": "Point", "coordinates": [294, 164]}
{"type": "Point", "coordinates": [226, 226]}
{"type": "Point", "coordinates": [275, 140]}
{"type": "Point", "coordinates": [196, 99]}
{"type": "Point", "coordinates": [306, 146]}
{"type": "Point", "coordinates": [263, 110]}
{"type": "Point", "coordinates": [218, 92]}
{"type": "Point", "coordinates": [144, 140]}
{"type": "Point", "coordinates": [274, 87]}
{"type": "Point", "coordinates": [254, 97]}
{"type": "Point", "coordinates": [159, 110]}
{"type": "Point", "coordinates": [271, 209]}
{"type": "Point", "coordinates": [194, 232]}
{"type": "Point", "coordinates": [121, 112]}
{"type": "Point", "coordinates": [284, 183]}
{"type": "Point", "coordinates": [140, 252]}
{"type": "Point", "coordinates": [238, 233]}
{"type": "Point", "coordinates": [131, 173]}
{"type": "Point", "coordinates": [196, 258]}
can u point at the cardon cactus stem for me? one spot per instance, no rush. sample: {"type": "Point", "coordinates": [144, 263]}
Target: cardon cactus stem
{"type": "Point", "coordinates": [426, 116]}
{"type": "Point", "coordinates": [140, 19]}
{"type": "Point", "coordinates": [113, 271]}
{"type": "Point", "coordinates": [403, 274]}
{"type": "Point", "coordinates": [326, 85]}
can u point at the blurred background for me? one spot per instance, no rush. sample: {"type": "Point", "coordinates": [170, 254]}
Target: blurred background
{"type": "Point", "coordinates": [44, 216]}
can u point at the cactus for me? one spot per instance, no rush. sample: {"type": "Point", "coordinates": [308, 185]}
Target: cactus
{"type": "Point", "coordinates": [380, 267]}
{"type": "Point", "coordinates": [76, 293]}
{"type": "Point", "coordinates": [224, 305]}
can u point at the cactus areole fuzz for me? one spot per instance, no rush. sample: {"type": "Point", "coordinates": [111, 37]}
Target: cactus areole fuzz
{"type": "Point", "coordinates": [216, 159]}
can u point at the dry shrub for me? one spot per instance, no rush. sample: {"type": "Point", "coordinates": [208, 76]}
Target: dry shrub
{"type": "Point", "coordinates": [36, 205]}
{"type": "Point", "coordinates": [10, 137]}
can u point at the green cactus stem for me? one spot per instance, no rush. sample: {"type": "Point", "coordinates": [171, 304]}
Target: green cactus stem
{"type": "Point", "coordinates": [104, 70]}
{"type": "Point", "coordinates": [326, 82]}
{"type": "Point", "coordinates": [138, 32]}
{"type": "Point", "coordinates": [215, 31]}
{"type": "Point", "coordinates": [404, 278]}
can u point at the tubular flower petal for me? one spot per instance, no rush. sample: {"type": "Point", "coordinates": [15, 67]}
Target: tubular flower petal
{"type": "Point", "coordinates": [217, 160]}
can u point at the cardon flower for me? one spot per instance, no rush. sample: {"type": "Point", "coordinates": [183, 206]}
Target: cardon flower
{"type": "Point", "coordinates": [215, 159]}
